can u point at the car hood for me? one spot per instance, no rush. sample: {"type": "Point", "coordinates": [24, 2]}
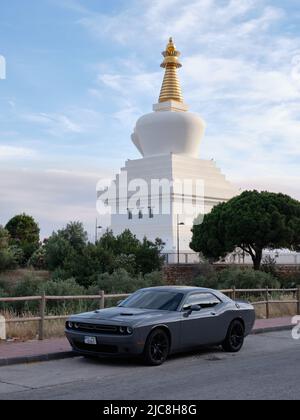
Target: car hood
{"type": "Point", "coordinates": [124, 315]}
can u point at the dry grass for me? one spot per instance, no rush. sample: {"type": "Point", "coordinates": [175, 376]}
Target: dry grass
{"type": "Point", "coordinates": [277, 310]}
{"type": "Point", "coordinates": [24, 331]}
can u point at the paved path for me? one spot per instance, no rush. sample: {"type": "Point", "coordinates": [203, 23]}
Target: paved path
{"type": "Point", "coordinates": [266, 368]}
{"type": "Point", "coordinates": [56, 348]}
{"type": "Point", "coordinates": [33, 348]}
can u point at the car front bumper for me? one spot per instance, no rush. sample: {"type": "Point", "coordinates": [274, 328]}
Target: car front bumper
{"type": "Point", "coordinates": [107, 345]}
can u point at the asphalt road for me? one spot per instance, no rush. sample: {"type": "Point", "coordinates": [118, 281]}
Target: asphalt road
{"type": "Point", "coordinates": [267, 368]}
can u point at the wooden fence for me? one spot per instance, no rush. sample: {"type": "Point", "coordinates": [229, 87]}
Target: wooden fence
{"type": "Point", "coordinates": [101, 297]}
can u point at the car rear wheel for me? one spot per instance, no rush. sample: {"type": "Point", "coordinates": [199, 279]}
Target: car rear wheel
{"type": "Point", "coordinates": [235, 337]}
{"type": "Point", "coordinates": [157, 348]}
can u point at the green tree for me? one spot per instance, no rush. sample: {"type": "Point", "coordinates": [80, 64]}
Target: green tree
{"type": "Point", "coordinates": [65, 245]}
{"type": "Point", "coordinates": [75, 234]}
{"type": "Point", "coordinates": [25, 234]}
{"type": "Point", "coordinates": [252, 221]}
{"type": "Point", "coordinates": [148, 256]}
{"type": "Point", "coordinates": [8, 257]}
{"type": "Point", "coordinates": [38, 259]}
{"type": "Point", "coordinates": [57, 249]}
{"type": "Point", "coordinates": [68, 255]}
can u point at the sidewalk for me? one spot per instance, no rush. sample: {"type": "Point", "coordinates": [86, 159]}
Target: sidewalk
{"type": "Point", "coordinates": [59, 348]}
{"type": "Point", "coordinates": [12, 353]}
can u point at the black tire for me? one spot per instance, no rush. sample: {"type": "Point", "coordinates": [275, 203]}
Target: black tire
{"type": "Point", "coordinates": [235, 337]}
{"type": "Point", "coordinates": [157, 347]}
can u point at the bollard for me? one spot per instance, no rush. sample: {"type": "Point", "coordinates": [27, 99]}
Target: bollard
{"type": "Point", "coordinates": [2, 328]}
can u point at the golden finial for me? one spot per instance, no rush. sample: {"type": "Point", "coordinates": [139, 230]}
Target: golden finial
{"type": "Point", "coordinates": [171, 89]}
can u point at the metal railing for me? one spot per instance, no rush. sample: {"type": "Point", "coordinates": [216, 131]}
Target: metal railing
{"type": "Point", "coordinates": [289, 259]}
{"type": "Point", "coordinates": [101, 297]}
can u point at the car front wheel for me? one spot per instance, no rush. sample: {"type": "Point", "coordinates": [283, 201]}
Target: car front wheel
{"type": "Point", "coordinates": [157, 348]}
{"type": "Point", "coordinates": [235, 337]}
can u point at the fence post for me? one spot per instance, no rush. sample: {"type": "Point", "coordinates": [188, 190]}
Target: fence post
{"type": "Point", "coordinates": [267, 303]}
{"type": "Point", "coordinates": [298, 299]}
{"type": "Point", "coordinates": [102, 299]}
{"type": "Point", "coordinates": [42, 316]}
{"type": "Point", "coordinates": [233, 293]}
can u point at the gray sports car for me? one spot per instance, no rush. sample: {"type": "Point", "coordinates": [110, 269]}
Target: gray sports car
{"type": "Point", "coordinates": [158, 321]}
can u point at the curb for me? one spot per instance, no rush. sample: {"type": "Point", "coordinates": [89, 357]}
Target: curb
{"type": "Point", "coordinates": [70, 354]}
{"type": "Point", "coordinates": [272, 329]}
{"type": "Point", "coordinates": [37, 358]}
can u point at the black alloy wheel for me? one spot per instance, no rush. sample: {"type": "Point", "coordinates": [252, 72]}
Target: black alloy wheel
{"type": "Point", "coordinates": [157, 347]}
{"type": "Point", "coordinates": [235, 337]}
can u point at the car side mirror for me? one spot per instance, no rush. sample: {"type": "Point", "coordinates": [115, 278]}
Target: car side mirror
{"type": "Point", "coordinates": [195, 308]}
{"type": "Point", "coordinates": [191, 309]}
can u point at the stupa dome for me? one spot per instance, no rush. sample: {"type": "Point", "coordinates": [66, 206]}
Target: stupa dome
{"type": "Point", "coordinates": [170, 128]}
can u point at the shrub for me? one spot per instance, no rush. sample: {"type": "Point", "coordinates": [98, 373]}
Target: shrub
{"type": "Point", "coordinates": [126, 262]}
{"type": "Point", "coordinates": [38, 259]}
{"type": "Point", "coordinates": [239, 278]}
{"type": "Point", "coordinates": [122, 282]}
{"type": "Point", "coordinates": [290, 282]}
{"type": "Point", "coordinates": [65, 288]}
{"type": "Point", "coordinates": [153, 279]}
{"type": "Point", "coordinates": [269, 265]}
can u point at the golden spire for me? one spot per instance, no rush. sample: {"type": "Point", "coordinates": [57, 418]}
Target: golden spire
{"type": "Point", "coordinates": [171, 90]}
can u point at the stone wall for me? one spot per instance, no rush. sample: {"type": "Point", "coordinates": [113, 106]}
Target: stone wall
{"type": "Point", "coordinates": [180, 274]}
{"type": "Point", "coordinates": [183, 274]}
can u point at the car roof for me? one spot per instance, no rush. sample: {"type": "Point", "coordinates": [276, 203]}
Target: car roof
{"type": "Point", "coordinates": [183, 289]}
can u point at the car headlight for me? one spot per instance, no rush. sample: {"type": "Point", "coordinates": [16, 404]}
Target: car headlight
{"type": "Point", "coordinates": [70, 324]}
{"type": "Point", "coordinates": [126, 330]}
{"type": "Point", "coordinates": [76, 326]}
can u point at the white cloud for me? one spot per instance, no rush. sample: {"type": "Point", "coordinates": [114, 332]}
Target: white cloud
{"type": "Point", "coordinates": [287, 185]}
{"type": "Point", "coordinates": [11, 152]}
{"type": "Point", "coordinates": [55, 123]}
{"type": "Point", "coordinates": [72, 121]}
{"type": "Point", "coordinates": [53, 197]}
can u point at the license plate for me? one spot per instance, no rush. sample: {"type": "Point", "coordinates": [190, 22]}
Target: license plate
{"type": "Point", "coordinates": [90, 340]}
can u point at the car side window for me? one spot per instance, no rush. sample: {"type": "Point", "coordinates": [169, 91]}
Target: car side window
{"type": "Point", "coordinates": [205, 300]}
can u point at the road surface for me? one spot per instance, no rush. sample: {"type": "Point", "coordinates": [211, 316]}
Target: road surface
{"type": "Point", "coordinates": [267, 368]}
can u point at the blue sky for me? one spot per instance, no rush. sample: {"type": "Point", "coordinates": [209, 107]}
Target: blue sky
{"type": "Point", "coordinates": [80, 73]}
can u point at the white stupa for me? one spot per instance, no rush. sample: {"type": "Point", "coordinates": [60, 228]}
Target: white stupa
{"type": "Point", "coordinates": [168, 140]}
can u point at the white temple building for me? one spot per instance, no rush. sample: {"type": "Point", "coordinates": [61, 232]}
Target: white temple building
{"type": "Point", "coordinates": [168, 140]}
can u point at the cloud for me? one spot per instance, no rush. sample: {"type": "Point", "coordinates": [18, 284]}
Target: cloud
{"type": "Point", "coordinates": [53, 197]}
{"type": "Point", "coordinates": [11, 152]}
{"type": "Point", "coordinates": [55, 123]}
{"type": "Point", "coordinates": [287, 185]}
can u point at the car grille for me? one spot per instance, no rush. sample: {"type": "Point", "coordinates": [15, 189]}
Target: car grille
{"type": "Point", "coordinates": [96, 328]}
{"type": "Point", "coordinates": [99, 348]}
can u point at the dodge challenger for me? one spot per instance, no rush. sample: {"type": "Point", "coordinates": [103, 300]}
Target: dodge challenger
{"type": "Point", "coordinates": [158, 321]}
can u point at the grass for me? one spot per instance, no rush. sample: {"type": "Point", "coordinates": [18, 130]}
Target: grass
{"type": "Point", "coordinates": [277, 310]}
{"type": "Point", "coordinates": [14, 277]}
{"type": "Point", "coordinates": [24, 331]}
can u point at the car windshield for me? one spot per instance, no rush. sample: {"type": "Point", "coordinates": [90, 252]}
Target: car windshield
{"type": "Point", "coordinates": [150, 299]}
